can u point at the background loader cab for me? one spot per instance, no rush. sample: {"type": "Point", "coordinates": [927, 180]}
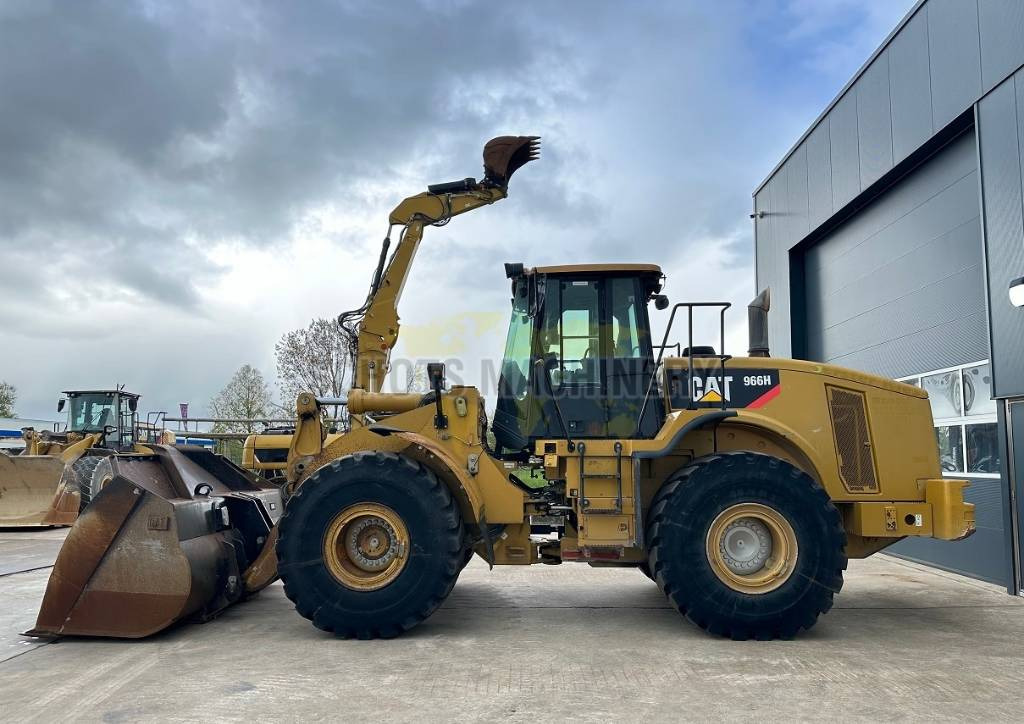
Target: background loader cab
{"type": "Point", "coordinates": [111, 413]}
{"type": "Point", "coordinates": [578, 354]}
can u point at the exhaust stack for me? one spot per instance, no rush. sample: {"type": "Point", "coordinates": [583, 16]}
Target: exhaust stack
{"type": "Point", "coordinates": [757, 321]}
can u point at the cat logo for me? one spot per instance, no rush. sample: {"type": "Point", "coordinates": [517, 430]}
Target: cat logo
{"type": "Point", "coordinates": [711, 396]}
{"type": "Point", "coordinates": [733, 388]}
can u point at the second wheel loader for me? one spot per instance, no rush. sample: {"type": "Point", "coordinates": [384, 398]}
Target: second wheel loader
{"type": "Point", "coordinates": [741, 485]}
{"type": "Point", "coordinates": [56, 474]}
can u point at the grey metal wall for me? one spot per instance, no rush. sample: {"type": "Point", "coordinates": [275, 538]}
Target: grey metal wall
{"type": "Point", "coordinates": [882, 251]}
{"type": "Point", "coordinates": [1001, 129]}
{"type": "Point", "coordinates": [899, 288]}
{"type": "Point", "coordinates": [936, 64]}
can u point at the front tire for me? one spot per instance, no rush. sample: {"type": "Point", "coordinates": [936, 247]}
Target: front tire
{"type": "Point", "coordinates": [370, 545]}
{"type": "Point", "coordinates": [82, 471]}
{"type": "Point", "coordinates": [746, 546]}
{"type": "Point", "coordinates": [102, 474]}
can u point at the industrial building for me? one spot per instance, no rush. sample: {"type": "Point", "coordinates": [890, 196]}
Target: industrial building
{"type": "Point", "coordinates": [892, 238]}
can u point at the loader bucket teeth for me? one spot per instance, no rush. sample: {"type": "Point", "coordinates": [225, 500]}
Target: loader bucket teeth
{"type": "Point", "coordinates": [168, 538]}
{"type": "Point", "coordinates": [504, 155]}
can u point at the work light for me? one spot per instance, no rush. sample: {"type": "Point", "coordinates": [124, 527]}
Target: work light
{"type": "Point", "coordinates": [1017, 292]}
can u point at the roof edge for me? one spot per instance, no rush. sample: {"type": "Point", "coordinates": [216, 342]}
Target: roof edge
{"type": "Point", "coordinates": [849, 84]}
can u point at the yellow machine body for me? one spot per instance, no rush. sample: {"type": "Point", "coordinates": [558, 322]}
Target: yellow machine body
{"type": "Point", "coordinates": [741, 485]}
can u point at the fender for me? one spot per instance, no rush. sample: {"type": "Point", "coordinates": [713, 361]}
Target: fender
{"type": "Point", "coordinates": [468, 495]}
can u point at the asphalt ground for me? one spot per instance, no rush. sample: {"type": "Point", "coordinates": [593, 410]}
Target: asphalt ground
{"type": "Point", "coordinates": [903, 642]}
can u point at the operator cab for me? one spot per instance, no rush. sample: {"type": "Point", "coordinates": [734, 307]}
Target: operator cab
{"type": "Point", "coordinates": [578, 353]}
{"type": "Point", "coordinates": [112, 412]}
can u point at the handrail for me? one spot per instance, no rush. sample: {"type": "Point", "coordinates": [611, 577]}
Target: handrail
{"type": "Point", "coordinates": [689, 348]}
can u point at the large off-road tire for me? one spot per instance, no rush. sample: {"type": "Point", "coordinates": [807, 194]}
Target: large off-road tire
{"type": "Point", "coordinates": [102, 473]}
{"type": "Point", "coordinates": [370, 545]}
{"type": "Point", "coordinates": [81, 473]}
{"type": "Point", "coordinates": [746, 546]}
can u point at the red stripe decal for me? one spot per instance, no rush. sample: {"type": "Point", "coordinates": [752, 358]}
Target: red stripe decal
{"type": "Point", "coordinates": [766, 397]}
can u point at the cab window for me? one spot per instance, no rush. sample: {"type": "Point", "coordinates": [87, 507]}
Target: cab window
{"type": "Point", "coordinates": [570, 337]}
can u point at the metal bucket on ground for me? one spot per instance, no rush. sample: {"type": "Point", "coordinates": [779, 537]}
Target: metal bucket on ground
{"type": "Point", "coordinates": [169, 537]}
{"type": "Point", "coordinates": [32, 492]}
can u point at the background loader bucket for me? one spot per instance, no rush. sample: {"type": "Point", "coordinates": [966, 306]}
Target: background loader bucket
{"type": "Point", "coordinates": [168, 538]}
{"type": "Point", "coordinates": [31, 489]}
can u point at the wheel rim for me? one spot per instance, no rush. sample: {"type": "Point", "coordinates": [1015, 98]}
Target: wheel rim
{"type": "Point", "coordinates": [366, 546]}
{"type": "Point", "coordinates": [752, 548]}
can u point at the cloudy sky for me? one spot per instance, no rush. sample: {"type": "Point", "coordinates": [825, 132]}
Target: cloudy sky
{"type": "Point", "coordinates": [183, 182]}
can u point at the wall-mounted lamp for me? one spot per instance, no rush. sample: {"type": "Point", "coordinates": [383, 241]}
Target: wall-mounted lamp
{"type": "Point", "coordinates": [757, 215]}
{"type": "Point", "coordinates": [1017, 292]}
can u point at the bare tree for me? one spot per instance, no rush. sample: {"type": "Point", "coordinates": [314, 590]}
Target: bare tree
{"type": "Point", "coordinates": [245, 397]}
{"type": "Point", "coordinates": [416, 378]}
{"type": "Point", "coordinates": [8, 396]}
{"type": "Point", "coordinates": [314, 359]}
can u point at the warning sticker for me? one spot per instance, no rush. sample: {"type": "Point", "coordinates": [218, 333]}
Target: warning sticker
{"type": "Point", "coordinates": [738, 388]}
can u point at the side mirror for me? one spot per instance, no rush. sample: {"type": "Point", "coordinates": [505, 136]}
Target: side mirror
{"type": "Point", "coordinates": [435, 374]}
{"type": "Point", "coordinates": [133, 404]}
{"type": "Point", "coordinates": [60, 404]}
{"type": "Point", "coordinates": [661, 302]}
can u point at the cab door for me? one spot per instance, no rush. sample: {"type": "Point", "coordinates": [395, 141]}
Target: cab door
{"type": "Point", "coordinates": [574, 351]}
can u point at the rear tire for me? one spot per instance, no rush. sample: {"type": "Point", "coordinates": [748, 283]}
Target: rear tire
{"type": "Point", "coordinates": [370, 545]}
{"type": "Point", "coordinates": [81, 473]}
{"type": "Point", "coordinates": [746, 546]}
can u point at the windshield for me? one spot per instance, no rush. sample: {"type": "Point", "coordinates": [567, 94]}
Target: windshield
{"type": "Point", "coordinates": [515, 370]}
{"type": "Point", "coordinates": [90, 413]}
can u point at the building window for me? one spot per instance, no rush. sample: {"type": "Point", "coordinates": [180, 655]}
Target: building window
{"type": "Point", "coordinates": [965, 418]}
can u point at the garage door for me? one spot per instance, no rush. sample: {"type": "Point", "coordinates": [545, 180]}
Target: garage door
{"type": "Point", "coordinates": [898, 290]}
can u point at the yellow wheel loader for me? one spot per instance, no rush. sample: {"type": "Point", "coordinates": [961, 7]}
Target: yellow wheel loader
{"type": "Point", "coordinates": [266, 453]}
{"type": "Point", "coordinates": [57, 473]}
{"type": "Point", "coordinates": [741, 485]}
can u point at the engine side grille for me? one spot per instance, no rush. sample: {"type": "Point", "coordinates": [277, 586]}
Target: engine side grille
{"type": "Point", "coordinates": [853, 440]}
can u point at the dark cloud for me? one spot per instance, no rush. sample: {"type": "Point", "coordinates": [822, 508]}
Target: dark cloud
{"type": "Point", "coordinates": [137, 136]}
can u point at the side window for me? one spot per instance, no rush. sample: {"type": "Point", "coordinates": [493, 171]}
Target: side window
{"type": "Point", "coordinates": [625, 339]}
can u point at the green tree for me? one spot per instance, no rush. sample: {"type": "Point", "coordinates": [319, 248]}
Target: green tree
{"type": "Point", "coordinates": [8, 396]}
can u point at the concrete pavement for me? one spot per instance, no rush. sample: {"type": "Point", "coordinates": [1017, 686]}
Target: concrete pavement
{"type": "Point", "coordinates": [534, 644]}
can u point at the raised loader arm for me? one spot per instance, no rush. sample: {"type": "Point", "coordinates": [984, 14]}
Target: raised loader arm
{"type": "Point", "coordinates": [376, 323]}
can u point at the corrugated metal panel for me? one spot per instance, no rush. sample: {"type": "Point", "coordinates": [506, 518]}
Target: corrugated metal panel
{"type": "Point", "coordinates": [762, 241]}
{"type": "Point", "coordinates": [796, 211]}
{"type": "Point", "coordinates": [1000, 121]}
{"type": "Point", "coordinates": [955, 57]}
{"type": "Point", "coordinates": [1001, 25]}
{"type": "Point", "coordinates": [916, 215]}
{"type": "Point", "coordinates": [910, 87]}
{"type": "Point", "coordinates": [778, 331]}
{"type": "Point", "coordinates": [845, 156]}
{"type": "Point", "coordinates": [874, 121]}
{"type": "Point", "coordinates": [819, 175]}
{"type": "Point", "coordinates": [899, 288]}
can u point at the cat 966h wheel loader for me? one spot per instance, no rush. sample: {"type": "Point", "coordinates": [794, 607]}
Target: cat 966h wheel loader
{"type": "Point", "coordinates": [741, 485]}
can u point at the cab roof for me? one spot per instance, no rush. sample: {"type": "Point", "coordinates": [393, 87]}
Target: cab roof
{"type": "Point", "coordinates": [600, 268]}
{"type": "Point", "coordinates": [72, 393]}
